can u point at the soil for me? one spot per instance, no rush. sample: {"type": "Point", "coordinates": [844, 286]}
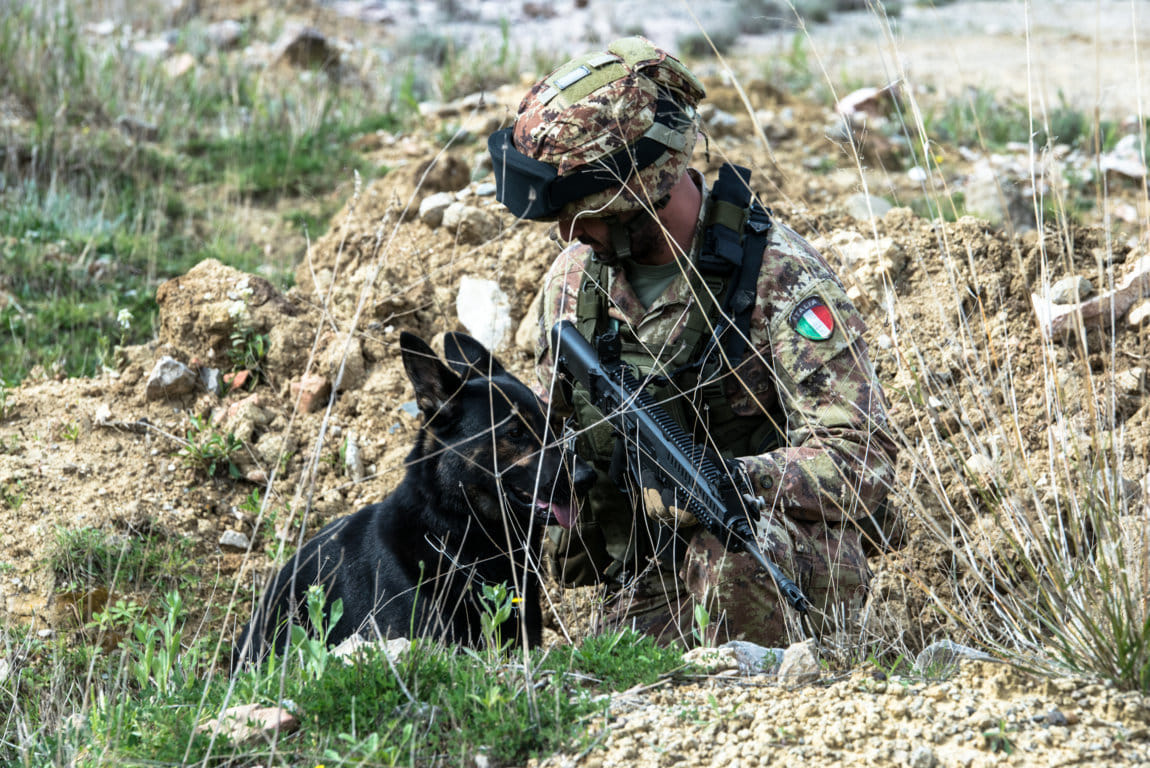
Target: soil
{"type": "Point", "coordinates": [952, 332]}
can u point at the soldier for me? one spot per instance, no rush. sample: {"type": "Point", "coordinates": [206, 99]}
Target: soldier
{"type": "Point", "coordinates": [740, 329]}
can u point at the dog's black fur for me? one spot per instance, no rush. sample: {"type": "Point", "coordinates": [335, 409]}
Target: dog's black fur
{"type": "Point", "coordinates": [483, 479]}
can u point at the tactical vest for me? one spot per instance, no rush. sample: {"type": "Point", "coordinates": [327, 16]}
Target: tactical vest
{"type": "Point", "coordinates": [689, 382]}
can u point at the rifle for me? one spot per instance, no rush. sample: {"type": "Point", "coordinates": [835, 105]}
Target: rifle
{"type": "Point", "coordinates": [637, 418]}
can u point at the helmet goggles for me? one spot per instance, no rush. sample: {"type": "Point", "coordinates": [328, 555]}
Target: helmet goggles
{"type": "Point", "coordinates": [533, 189]}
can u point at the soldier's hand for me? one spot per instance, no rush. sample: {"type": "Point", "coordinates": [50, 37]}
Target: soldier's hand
{"type": "Point", "coordinates": [664, 504]}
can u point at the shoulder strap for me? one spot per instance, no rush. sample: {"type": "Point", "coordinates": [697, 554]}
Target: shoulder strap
{"type": "Point", "coordinates": [591, 303]}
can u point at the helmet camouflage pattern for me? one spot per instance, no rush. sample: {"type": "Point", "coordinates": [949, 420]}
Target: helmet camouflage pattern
{"type": "Point", "coordinates": [601, 103]}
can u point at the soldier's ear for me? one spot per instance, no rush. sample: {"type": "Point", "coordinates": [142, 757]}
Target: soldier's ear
{"type": "Point", "coordinates": [468, 358]}
{"type": "Point", "coordinates": [435, 384]}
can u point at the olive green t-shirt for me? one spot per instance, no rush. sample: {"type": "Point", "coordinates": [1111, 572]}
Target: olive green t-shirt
{"type": "Point", "coordinates": [649, 281]}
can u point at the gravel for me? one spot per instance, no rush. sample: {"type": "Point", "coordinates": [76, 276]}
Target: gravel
{"type": "Point", "coordinates": [986, 714]}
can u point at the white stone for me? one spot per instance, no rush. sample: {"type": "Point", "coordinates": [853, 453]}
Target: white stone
{"type": "Point", "coordinates": [800, 664]}
{"type": "Point", "coordinates": [713, 661]}
{"type": "Point", "coordinates": [1071, 290]}
{"type": "Point", "coordinates": [234, 540]}
{"type": "Point", "coordinates": [484, 310]}
{"type": "Point", "coordinates": [170, 378]}
{"type": "Point", "coordinates": [432, 208]}
{"type": "Point", "coordinates": [980, 466]}
{"type": "Point", "coordinates": [863, 207]}
{"type": "Point", "coordinates": [469, 224]}
{"type": "Point", "coordinates": [1139, 314]}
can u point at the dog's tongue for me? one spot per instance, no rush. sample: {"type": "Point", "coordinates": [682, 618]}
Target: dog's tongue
{"type": "Point", "coordinates": [562, 512]}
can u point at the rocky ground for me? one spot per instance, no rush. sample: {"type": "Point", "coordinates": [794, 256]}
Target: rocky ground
{"type": "Point", "coordinates": [955, 312]}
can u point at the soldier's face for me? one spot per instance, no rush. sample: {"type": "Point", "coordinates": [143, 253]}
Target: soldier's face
{"type": "Point", "coordinates": [587, 230]}
{"type": "Point", "coordinates": [645, 236]}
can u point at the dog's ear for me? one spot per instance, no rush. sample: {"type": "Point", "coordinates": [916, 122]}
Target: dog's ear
{"type": "Point", "coordinates": [468, 357]}
{"type": "Point", "coordinates": [435, 384]}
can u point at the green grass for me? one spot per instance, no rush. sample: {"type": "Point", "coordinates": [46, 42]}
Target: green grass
{"type": "Point", "coordinates": [143, 701]}
{"type": "Point", "coordinates": [91, 221]}
{"type": "Point", "coordinates": [87, 558]}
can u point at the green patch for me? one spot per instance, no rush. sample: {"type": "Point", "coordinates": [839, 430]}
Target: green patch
{"type": "Point", "coordinates": [209, 450]}
{"type": "Point", "coordinates": [433, 705]}
{"type": "Point", "coordinates": [618, 660]}
{"type": "Point", "coordinates": [107, 209]}
{"type": "Point", "coordinates": [88, 558]}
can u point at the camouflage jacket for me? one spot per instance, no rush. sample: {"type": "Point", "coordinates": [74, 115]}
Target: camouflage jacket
{"type": "Point", "coordinates": [837, 459]}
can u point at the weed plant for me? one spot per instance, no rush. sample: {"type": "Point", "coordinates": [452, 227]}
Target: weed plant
{"type": "Point", "coordinates": [1046, 558]}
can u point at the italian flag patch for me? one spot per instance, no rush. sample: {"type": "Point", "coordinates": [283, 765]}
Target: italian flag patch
{"type": "Point", "coordinates": [812, 319]}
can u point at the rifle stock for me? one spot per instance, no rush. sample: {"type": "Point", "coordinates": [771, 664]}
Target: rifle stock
{"type": "Point", "coordinates": [637, 418]}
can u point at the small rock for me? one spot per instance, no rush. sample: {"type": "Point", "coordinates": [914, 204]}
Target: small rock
{"type": "Point", "coordinates": [410, 408]}
{"type": "Point", "coordinates": [1071, 290]}
{"type": "Point", "coordinates": [938, 657]}
{"type": "Point", "coordinates": [713, 661]}
{"type": "Point", "coordinates": [863, 207]}
{"type": "Point", "coordinates": [980, 466]}
{"type": "Point", "coordinates": [470, 225]}
{"type": "Point", "coordinates": [354, 645]}
{"type": "Point", "coordinates": [1055, 320]}
{"type": "Point", "coordinates": [251, 722]}
{"type": "Point", "coordinates": [778, 126]}
{"type": "Point", "coordinates": [353, 457]}
{"type": "Point", "coordinates": [234, 540]}
{"type": "Point", "coordinates": [101, 28]}
{"type": "Point", "coordinates": [998, 195]}
{"type": "Point", "coordinates": [224, 34]}
{"type": "Point", "coordinates": [719, 122]}
{"type": "Point", "coordinates": [755, 659]}
{"type": "Point", "coordinates": [179, 65]}
{"type": "Point", "coordinates": [5, 670]}
{"type": "Point", "coordinates": [211, 380]}
{"type": "Point", "coordinates": [527, 333]}
{"type": "Point", "coordinates": [873, 102]}
{"type": "Point", "coordinates": [432, 208]}
{"type": "Point", "coordinates": [1125, 159]}
{"type": "Point", "coordinates": [922, 756]}
{"type": "Point", "coordinates": [1139, 314]}
{"type": "Point", "coordinates": [800, 664]}
{"type": "Point", "coordinates": [484, 310]}
{"type": "Point", "coordinates": [170, 378]}
{"type": "Point", "coordinates": [486, 189]}
{"type": "Point", "coordinates": [237, 379]}
{"type": "Point", "coordinates": [306, 48]}
{"type": "Point", "coordinates": [155, 49]}
{"type": "Point", "coordinates": [275, 447]}
{"type": "Point", "coordinates": [311, 392]}
{"type": "Point", "coordinates": [136, 129]}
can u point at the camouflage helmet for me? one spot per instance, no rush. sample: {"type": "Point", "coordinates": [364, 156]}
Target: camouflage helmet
{"type": "Point", "coordinates": [622, 116]}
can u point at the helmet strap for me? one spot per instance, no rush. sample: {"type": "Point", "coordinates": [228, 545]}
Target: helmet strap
{"type": "Point", "coordinates": [622, 233]}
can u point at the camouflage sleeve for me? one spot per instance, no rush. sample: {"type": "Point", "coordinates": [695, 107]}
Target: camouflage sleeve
{"type": "Point", "coordinates": [557, 301]}
{"type": "Point", "coordinates": [838, 461]}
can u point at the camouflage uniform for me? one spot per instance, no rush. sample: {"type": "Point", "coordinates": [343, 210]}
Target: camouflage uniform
{"type": "Point", "coordinates": [832, 463]}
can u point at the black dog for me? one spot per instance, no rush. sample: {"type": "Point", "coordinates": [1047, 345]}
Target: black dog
{"type": "Point", "coordinates": [483, 479]}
